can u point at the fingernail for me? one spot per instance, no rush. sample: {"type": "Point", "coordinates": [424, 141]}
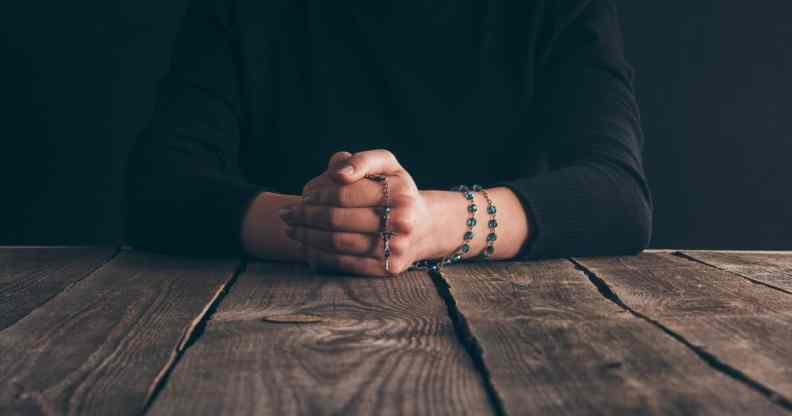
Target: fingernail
{"type": "Point", "coordinates": [285, 212]}
{"type": "Point", "coordinates": [347, 170]}
{"type": "Point", "coordinates": [310, 198]}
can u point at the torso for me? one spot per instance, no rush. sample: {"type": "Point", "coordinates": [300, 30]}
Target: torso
{"type": "Point", "coordinates": [449, 91]}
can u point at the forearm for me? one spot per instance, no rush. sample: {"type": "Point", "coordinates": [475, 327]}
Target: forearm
{"type": "Point", "coordinates": [450, 215]}
{"type": "Point", "coordinates": [589, 209]}
{"type": "Point", "coordinates": [263, 231]}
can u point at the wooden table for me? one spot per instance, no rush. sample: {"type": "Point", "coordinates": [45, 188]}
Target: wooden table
{"type": "Point", "coordinates": [86, 330]}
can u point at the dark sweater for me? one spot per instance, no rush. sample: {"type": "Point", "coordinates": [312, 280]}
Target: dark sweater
{"type": "Point", "coordinates": [531, 94]}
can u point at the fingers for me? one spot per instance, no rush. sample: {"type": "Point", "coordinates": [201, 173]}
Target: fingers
{"type": "Point", "coordinates": [355, 220]}
{"type": "Point", "coordinates": [337, 158]}
{"type": "Point", "coordinates": [342, 243]}
{"type": "Point", "coordinates": [369, 162]}
{"type": "Point", "coordinates": [365, 193]}
{"type": "Point", "coordinates": [364, 266]}
{"type": "Point", "coordinates": [368, 266]}
{"type": "Point", "coordinates": [358, 220]}
{"type": "Point", "coordinates": [360, 194]}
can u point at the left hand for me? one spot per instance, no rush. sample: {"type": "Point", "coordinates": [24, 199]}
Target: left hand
{"type": "Point", "coordinates": [340, 218]}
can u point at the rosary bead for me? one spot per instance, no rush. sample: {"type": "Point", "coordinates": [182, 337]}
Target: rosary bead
{"type": "Point", "coordinates": [468, 235]}
{"type": "Point", "coordinates": [465, 247]}
{"type": "Point", "coordinates": [471, 222]}
{"type": "Point", "coordinates": [492, 237]}
{"type": "Point", "coordinates": [468, 195]}
{"type": "Point", "coordinates": [491, 209]}
{"type": "Point", "coordinates": [472, 208]}
{"type": "Point", "coordinates": [493, 224]}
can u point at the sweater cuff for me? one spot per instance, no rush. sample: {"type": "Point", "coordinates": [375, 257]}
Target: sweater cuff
{"type": "Point", "coordinates": [191, 215]}
{"type": "Point", "coordinates": [553, 205]}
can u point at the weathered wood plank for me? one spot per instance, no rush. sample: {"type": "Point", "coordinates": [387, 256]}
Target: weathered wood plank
{"type": "Point", "coordinates": [743, 328]}
{"type": "Point", "coordinates": [99, 346]}
{"type": "Point", "coordinates": [553, 344]}
{"type": "Point", "coordinates": [30, 276]}
{"type": "Point", "coordinates": [375, 346]}
{"type": "Point", "coordinates": [774, 269]}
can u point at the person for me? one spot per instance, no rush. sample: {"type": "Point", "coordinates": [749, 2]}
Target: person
{"type": "Point", "coordinates": [281, 125]}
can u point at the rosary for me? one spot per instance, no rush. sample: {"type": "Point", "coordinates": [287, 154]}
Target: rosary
{"type": "Point", "coordinates": [435, 265]}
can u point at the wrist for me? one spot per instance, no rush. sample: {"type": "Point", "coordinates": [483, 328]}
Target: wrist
{"type": "Point", "coordinates": [263, 231]}
{"type": "Point", "coordinates": [448, 216]}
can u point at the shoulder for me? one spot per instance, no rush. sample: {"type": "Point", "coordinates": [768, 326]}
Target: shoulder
{"type": "Point", "coordinates": [588, 24]}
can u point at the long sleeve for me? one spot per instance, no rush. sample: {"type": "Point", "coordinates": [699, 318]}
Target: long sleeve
{"type": "Point", "coordinates": [183, 190]}
{"type": "Point", "coordinates": [594, 199]}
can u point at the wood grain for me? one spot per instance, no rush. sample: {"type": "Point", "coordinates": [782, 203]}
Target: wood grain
{"type": "Point", "coordinates": [97, 347]}
{"type": "Point", "coordinates": [743, 328]}
{"type": "Point", "coordinates": [30, 276]}
{"type": "Point", "coordinates": [286, 342]}
{"type": "Point", "coordinates": [553, 345]}
{"type": "Point", "coordinates": [774, 269]}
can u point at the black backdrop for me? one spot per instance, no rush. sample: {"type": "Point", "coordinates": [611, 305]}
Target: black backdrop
{"type": "Point", "coordinates": [77, 85]}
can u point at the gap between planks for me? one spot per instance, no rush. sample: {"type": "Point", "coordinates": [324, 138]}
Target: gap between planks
{"type": "Point", "coordinates": [469, 342]}
{"type": "Point", "coordinates": [190, 335]}
{"type": "Point", "coordinates": [474, 349]}
{"type": "Point", "coordinates": [682, 254]}
{"type": "Point", "coordinates": [707, 357]}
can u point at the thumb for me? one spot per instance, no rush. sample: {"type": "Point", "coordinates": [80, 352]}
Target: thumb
{"type": "Point", "coordinates": [337, 159]}
{"type": "Point", "coordinates": [370, 162]}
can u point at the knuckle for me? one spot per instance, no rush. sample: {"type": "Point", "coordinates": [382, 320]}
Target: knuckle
{"type": "Point", "coordinates": [404, 221]}
{"type": "Point", "coordinates": [343, 196]}
{"type": "Point", "coordinates": [398, 264]}
{"type": "Point", "coordinates": [307, 214]}
{"type": "Point", "coordinates": [388, 154]}
{"type": "Point", "coordinates": [334, 217]}
{"type": "Point", "coordinates": [310, 215]}
{"type": "Point", "coordinates": [398, 246]}
{"type": "Point", "coordinates": [297, 214]}
{"type": "Point", "coordinates": [404, 198]}
{"type": "Point", "coordinates": [340, 242]}
{"type": "Point", "coordinates": [339, 155]}
{"type": "Point", "coordinates": [312, 184]}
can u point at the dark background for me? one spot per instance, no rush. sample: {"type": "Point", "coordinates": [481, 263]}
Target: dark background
{"type": "Point", "coordinates": [77, 85]}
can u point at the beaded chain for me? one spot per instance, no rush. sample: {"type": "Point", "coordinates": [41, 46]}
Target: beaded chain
{"type": "Point", "coordinates": [492, 224]}
{"type": "Point", "coordinates": [472, 209]}
{"type": "Point", "coordinates": [385, 234]}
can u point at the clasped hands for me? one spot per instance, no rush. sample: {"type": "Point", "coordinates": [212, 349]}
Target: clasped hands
{"type": "Point", "coordinates": [339, 220]}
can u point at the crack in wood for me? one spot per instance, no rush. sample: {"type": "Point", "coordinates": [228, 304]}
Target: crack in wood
{"type": "Point", "coordinates": [469, 342]}
{"type": "Point", "coordinates": [707, 357]}
{"type": "Point", "coordinates": [190, 335]}
{"type": "Point", "coordinates": [748, 278]}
